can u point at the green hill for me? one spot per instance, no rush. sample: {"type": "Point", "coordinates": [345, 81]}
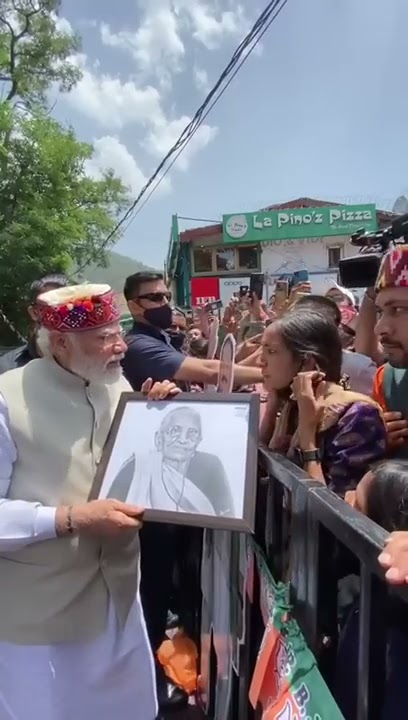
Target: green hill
{"type": "Point", "coordinates": [119, 267]}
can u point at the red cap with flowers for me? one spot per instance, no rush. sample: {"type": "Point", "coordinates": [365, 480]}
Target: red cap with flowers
{"type": "Point", "coordinates": [77, 308]}
{"type": "Point", "coordinates": [393, 270]}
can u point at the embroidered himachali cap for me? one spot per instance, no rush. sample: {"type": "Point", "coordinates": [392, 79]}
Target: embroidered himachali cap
{"type": "Point", "coordinates": [393, 270]}
{"type": "Point", "coordinates": [78, 308]}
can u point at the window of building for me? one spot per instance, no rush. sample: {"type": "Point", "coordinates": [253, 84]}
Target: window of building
{"type": "Point", "coordinates": [225, 259]}
{"type": "Point", "coordinates": [335, 253]}
{"type": "Point", "coordinates": [248, 258]}
{"type": "Point", "coordinates": [203, 259]}
{"type": "Point", "coordinates": [221, 259]}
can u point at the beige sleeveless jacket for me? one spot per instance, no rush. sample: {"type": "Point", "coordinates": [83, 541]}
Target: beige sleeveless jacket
{"type": "Point", "coordinates": [58, 590]}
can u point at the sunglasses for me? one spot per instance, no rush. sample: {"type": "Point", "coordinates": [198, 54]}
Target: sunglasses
{"type": "Point", "coordinates": [156, 297]}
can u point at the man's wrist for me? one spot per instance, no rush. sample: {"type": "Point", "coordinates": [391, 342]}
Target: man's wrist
{"type": "Point", "coordinates": [66, 521]}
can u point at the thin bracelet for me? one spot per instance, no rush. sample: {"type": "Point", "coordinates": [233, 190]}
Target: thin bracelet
{"type": "Point", "coordinates": [69, 521]}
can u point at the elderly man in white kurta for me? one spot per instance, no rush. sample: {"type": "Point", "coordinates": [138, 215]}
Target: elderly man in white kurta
{"type": "Point", "coordinates": [73, 642]}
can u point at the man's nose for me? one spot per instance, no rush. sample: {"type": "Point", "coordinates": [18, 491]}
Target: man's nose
{"type": "Point", "coordinates": [120, 346]}
{"type": "Point", "coordinates": [383, 326]}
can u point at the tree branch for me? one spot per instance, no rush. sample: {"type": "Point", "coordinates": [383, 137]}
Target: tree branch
{"type": "Point", "coordinates": [14, 39]}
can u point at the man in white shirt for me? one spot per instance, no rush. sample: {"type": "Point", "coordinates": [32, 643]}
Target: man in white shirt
{"type": "Point", "coordinates": [73, 641]}
{"type": "Point", "coordinates": [359, 368]}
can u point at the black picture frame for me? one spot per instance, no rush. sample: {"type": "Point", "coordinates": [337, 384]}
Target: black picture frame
{"type": "Point", "coordinates": [246, 523]}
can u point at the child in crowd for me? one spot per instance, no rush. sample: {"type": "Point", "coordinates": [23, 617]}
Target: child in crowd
{"type": "Point", "coordinates": [382, 495]}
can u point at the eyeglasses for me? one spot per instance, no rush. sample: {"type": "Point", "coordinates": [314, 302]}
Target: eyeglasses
{"type": "Point", "coordinates": [156, 297]}
{"type": "Point", "coordinates": [112, 338]}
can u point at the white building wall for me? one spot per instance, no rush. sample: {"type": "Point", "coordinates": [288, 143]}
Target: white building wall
{"type": "Point", "coordinates": [286, 256]}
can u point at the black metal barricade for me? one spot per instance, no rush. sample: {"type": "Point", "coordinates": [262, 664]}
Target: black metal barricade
{"type": "Point", "coordinates": [313, 539]}
{"type": "Point", "coordinates": [318, 543]}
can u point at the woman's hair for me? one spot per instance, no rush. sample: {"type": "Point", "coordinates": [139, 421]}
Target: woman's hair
{"type": "Point", "coordinates": [387, 495]}
{"type": "Point", "coordinates": [308, 335]}
{"type": "Point", "coordinates": [323, 305]}
{"type": "Point", "coordinates": [199, 348]}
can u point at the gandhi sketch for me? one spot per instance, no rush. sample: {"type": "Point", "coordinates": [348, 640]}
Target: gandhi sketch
{"type": "Point", "coordinates": [175, 475]}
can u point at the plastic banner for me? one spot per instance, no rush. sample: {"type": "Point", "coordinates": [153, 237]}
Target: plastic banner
{"type": "Point", "coordinates": [286, 683]}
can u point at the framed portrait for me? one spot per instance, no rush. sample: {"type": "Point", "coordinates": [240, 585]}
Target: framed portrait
{"type": "Point", "coordinates": [191, 460]}
{"type": "Point", "coordinates": [226, 373]}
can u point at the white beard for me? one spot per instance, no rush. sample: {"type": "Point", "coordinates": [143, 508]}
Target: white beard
{"type": "Point", "coordinates": [98, 376]}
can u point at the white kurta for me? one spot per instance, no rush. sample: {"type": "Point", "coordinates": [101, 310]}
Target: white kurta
{"type": "Point", "coordinates": [109, 678]}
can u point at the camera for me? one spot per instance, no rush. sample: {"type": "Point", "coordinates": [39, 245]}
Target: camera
{"type": "Point", "coordinates": [361, 270]}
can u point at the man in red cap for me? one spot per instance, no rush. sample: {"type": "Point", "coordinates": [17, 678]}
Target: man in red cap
{"type": "Point", "coordinates": [391, 382]}
{"type": "Point", "coordinates": [73, 640]}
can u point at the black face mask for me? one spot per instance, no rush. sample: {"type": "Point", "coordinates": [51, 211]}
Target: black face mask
{"type": "Point", "coordinates": [160, 317]}
{"type": "Point", "coordinates": [177, 339]}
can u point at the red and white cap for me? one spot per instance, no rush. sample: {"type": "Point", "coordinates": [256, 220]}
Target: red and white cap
{"type": "Point", "coordinates": [77, 308]}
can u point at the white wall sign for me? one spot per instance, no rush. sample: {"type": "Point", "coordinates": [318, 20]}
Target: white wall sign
{"type": "Point", "coordinates": [230, 285]}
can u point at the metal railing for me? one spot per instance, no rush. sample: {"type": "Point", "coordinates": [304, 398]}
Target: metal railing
{"type": "Point", "coordinates": [312, 539]}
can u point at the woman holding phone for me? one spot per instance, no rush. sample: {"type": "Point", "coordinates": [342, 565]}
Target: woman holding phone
{"type": "Point", "coordinates": [332, 433]}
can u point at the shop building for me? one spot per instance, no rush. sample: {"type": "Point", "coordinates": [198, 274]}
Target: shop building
{"type": "Point", "coordinates": [210, 263]}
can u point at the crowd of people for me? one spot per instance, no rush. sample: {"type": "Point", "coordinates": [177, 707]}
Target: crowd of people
{"type": "Point", "coordinates": [87, 589]}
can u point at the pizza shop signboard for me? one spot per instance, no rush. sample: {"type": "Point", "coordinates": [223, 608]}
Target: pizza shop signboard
{"type": "Point", "coordinates": [298, 223]}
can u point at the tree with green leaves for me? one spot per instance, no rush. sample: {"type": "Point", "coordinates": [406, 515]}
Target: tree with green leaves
{"type": "Point", "coordinates": [53, 216]}
{"type": "Point", "coordinates": [34, 53]}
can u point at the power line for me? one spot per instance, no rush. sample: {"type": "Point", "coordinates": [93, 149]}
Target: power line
{"type": "Point", "coordinates": [250, 41]}
{"type": "Point", "coordinates": [203, 117]}
{"type": "Point", "coordinates": [193, 219]}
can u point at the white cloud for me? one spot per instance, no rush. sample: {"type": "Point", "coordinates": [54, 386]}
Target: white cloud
{"type": "Point", "coordinates": [202, 80]}
{"type": "Point", "coordinates": [155, 46]}
{"type": "Point", "coordinates": [63, 25]}
{"type": "Point", "coordinates": [163, 136]}
{"type": "Point", "coordinates": [111, 154]}
{"type": "Point", "coordinates": [158, 44]}
{"type": "Point", "coordinates": [113, 103]}
{"type": "Point", "coordinates": [211, 28]}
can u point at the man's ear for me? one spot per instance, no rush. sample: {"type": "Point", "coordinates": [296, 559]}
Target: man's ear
{"type": "Point", "coordinates": [60, 340]}
{"type": "Point", "coordinates": [33, 313]}
{"type": "Point", "coordinates": [158, 442]}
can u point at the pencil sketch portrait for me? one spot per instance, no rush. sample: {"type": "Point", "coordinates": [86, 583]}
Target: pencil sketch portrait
{"type": "Point", "coordinates": [174, 474]}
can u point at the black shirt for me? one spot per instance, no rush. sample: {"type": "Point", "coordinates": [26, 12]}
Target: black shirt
{"type": "Point", "coordinates": [150, 355]}
{"type": "Point", "coordinates": [19, 357]}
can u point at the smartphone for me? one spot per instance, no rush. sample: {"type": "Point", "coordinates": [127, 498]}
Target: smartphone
{"type": "Point", "coordinates": [281, 293]}
{"type": "Point", "coordinates": [256, 285]}
{"type": "Point", "coordinates": [212, 306]}
{"type": "Point", "coordinates": [299, 277]}
{"type": "Point", "coordinates": [243, 291]}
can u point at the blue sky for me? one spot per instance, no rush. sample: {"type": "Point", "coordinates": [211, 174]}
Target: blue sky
{"type": "Point", "coordinates": [320, 111]}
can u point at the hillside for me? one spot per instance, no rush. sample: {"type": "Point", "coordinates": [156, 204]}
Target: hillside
{"type": "Point", "coordinates": [118, 269]}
